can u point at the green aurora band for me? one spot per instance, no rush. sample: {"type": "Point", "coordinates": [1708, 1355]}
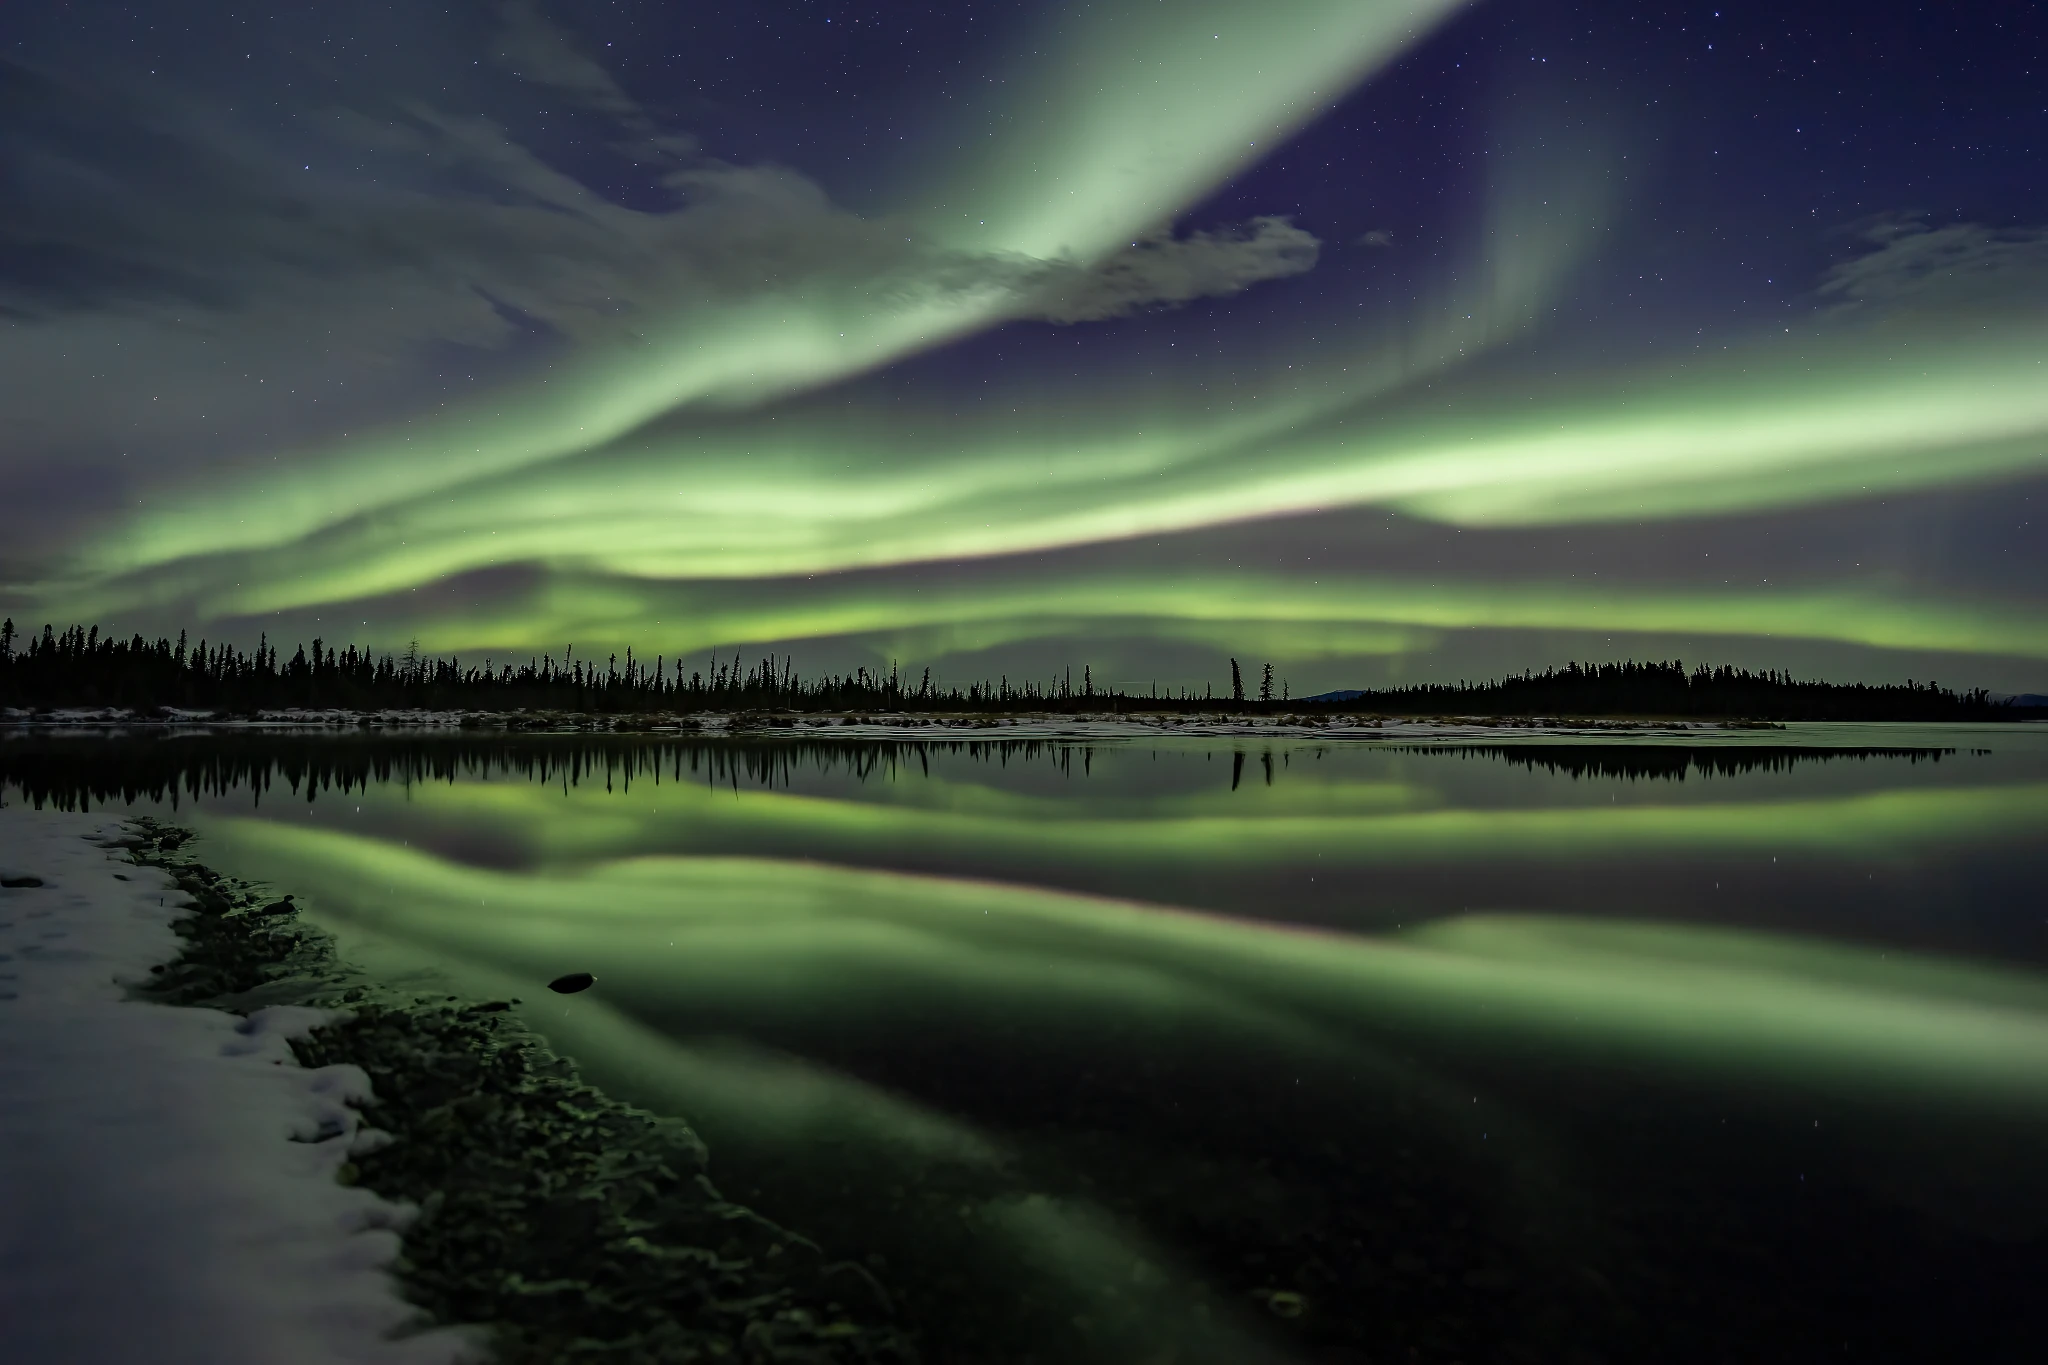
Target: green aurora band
{"type": "Point", "coordinates": [1301, 618]}
{"type": "Point", "coordinates": [1174, 139]}
{"type": "Point", "coordinates": [677, 494]}
{"type": "Point", "coordinates": [624, 533]}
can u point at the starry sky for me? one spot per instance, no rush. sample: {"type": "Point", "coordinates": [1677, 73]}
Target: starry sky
{"type": "Point", "coordinates": [1385, 340]}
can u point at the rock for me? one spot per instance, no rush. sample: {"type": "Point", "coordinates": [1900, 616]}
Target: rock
{"type": "Point", "coordinates": [1286, 1303]}
{"type": "Point", "coordinates": [20, 883]}
{"type": "Point", "coordinates": [572, 983]}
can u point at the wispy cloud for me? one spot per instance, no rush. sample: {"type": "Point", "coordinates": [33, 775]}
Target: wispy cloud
{"type": "Point", "coordinates": [1915, 265]}
{"type": "Point", "coordinates": [1165, 271]}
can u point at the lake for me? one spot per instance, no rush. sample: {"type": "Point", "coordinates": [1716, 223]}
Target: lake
{"type": "Point", "coordinates": [1433, 1046]}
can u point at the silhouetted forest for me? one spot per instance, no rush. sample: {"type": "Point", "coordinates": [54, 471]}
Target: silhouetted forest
{"type": "Point", "coordinates": [1668, 689]}
{"type": "Point", "coordinates": [83, 668]}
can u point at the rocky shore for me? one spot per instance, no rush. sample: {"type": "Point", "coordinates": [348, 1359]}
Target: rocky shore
{"type": "Point", "coordinates": [567, 1226]}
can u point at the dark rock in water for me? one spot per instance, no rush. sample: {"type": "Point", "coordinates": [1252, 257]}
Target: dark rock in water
{"type": "Point", "coordinates": [283, 907]}
{"type": "Point", "coordinates": [20, 883]}
{"type": "Point", "coordinates": [572, 983]}
{"type": "Point", "coordinates": [1286, 1303]}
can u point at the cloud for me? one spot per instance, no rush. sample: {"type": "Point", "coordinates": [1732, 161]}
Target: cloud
{"type": "Point", "coordinates": [150, 237]}
{"type": "Point", "coordinates": [1158, 271]}
{"type": "Point", "coordinates": [1165, 271]}
{"type": "Point", "coordinates": [405, 256]}
{"type": "Point", "coordinates": [147, 209]}
{"type": "Point", "coordinates": [530, 45]}
{"type": "Point", "coordinates": [1377, 237]}
{"type": "Point", "coordinates": [260, 306]}
{"type": "Point", "coordinates": [1962, 265]}
{"type": "Point", "coordinates": [536, 49]}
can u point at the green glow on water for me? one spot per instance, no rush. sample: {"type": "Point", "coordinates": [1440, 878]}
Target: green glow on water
{"type": "Point", "coordinates": [739, 937]}
{"type": "Point", "coordinates": [1007, 1018]}
{"type": "Point", "coordinates": [1364, 823]}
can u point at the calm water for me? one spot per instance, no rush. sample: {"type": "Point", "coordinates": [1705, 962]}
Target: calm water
{"type": "Point", "coordinates": [1247, 1050]}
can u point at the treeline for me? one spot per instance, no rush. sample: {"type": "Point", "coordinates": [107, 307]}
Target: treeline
{"type": "Point", "coordinates": [80, 667]}
{"type": "Point", "coordinates": [83, 668]}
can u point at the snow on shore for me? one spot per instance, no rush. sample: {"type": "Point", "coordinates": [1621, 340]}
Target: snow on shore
{"type": "Point", "coordinates": [162, 1197]}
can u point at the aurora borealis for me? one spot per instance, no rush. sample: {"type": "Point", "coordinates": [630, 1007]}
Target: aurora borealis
{"type": "Point", "coordinates": [1389, 341]}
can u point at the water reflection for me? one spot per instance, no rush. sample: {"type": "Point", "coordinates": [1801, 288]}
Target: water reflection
{"type": "Point", "coordinates": [1049, 1108]}
{"type": "Point", "coordinates": [1118, 1052]}
{"type": "Point", "coordinates": [1923, 840]}
{"type": "Point", "coordinates": [75, 772]}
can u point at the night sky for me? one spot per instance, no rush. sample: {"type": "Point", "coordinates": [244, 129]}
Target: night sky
{"type": "Point", "coordinates": [1386, 340]}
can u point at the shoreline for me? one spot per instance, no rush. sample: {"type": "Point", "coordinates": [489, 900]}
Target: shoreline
{"type": "Point", "coordinates": [169, 1179]}
{"type": "Point", "coordinates": [517, 1215]}
{"type": "Point", "coordinates": [869, 724]}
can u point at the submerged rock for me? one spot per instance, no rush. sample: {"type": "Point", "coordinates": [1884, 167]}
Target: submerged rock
{"type": "Point", "coordinates": [572, 983]}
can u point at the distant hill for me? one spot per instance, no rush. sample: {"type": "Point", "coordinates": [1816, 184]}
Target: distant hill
{"type": "Point", "coordinates": [2024, 700]}
{"type": "Point", "coordinates": [1670, 689]}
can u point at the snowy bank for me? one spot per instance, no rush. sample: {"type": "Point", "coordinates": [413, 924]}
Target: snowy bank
{"type": "Point", "coordinates": [167, 1175]}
